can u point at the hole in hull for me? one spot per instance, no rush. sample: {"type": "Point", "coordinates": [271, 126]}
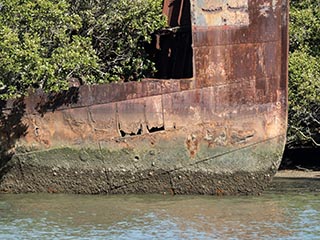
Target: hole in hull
{"type": "Point", "coordinates": [126, 134]}
{"type": "Point", "coordinates": [155, 129]}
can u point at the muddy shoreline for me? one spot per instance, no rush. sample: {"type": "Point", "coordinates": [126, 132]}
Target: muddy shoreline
{"type": "Point", "coordinates": [295, 181]}
{"type": "Point", "coordinates": [303, 173]}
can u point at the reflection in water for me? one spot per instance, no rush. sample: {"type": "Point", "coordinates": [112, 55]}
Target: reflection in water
{"type": "Point", "coordinates": [281, 215]}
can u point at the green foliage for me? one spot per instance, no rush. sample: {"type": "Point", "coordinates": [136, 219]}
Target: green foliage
{"type": "Point", "coordinates": [120, 30]}
{"type": "Point", "coordinates": [304, 73]}
{"type": "Point", "coordinates": [43, 43]}
{"type": "Point", "coordinates": [305, 26]}
{"type": "Point", "coordinates": [37, 48]}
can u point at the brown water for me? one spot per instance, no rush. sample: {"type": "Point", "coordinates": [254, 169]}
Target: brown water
{"type": "Point", "coordinates": [289, 210]}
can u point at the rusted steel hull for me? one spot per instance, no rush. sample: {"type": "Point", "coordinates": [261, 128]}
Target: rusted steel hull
{"type": "Point", "coordinates": [220, 132]}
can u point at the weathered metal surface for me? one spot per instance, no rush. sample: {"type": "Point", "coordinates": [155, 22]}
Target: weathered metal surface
{"type": "Point", "coordinates": [232, 51]}
{"type": "Point", "coordinates": [220, 131]}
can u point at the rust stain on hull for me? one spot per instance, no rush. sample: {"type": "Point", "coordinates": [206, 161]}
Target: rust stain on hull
{"type": "Point", "coordinates": [214, 122]}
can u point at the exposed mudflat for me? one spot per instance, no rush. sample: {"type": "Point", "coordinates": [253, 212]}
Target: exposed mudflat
{"type": "Point", "coordinates": [299, 181]}
{"type": "Point", "coordinates": [303, 173]}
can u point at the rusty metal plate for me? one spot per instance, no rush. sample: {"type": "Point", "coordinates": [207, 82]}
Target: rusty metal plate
{"type": "Point", "coordinates": [232, 12]}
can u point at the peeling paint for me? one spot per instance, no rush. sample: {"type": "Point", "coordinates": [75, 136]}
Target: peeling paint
{"type": "Point", "coordinates": [222, 13]}
{"type": "Point", "coordinates": [267, 8]}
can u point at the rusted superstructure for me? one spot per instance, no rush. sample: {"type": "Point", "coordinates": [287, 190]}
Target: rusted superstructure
{"type": "Point", "coordinates": [213, 123]}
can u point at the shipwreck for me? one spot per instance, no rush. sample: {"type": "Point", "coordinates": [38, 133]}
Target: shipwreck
{"type": "Point", "coordinates": [212, 122]}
